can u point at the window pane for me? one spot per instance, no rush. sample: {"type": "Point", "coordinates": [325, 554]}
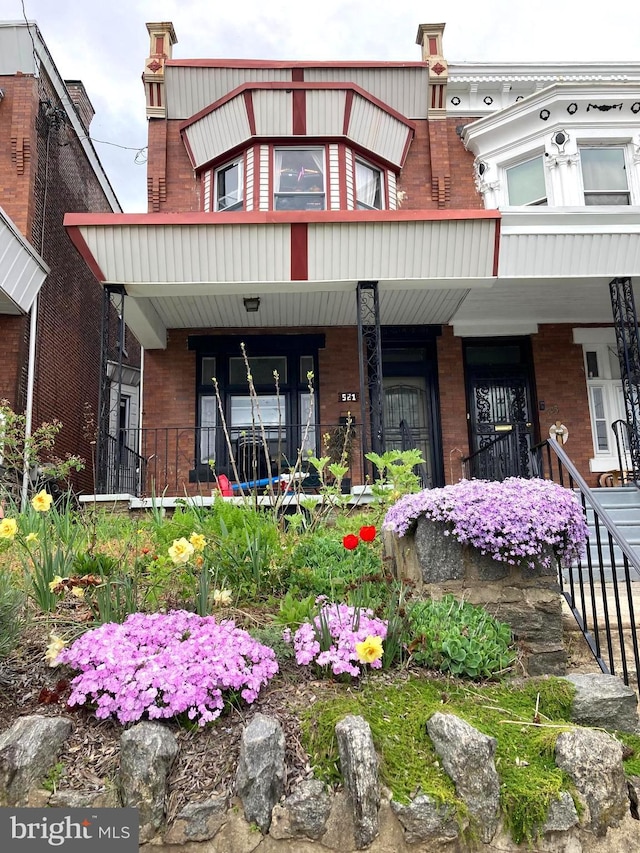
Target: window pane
{"type": "Point", "coordinates": [208, 370]}
{"type": "Point", "coordinates": [603, 169]}
{"type": "Point", "coordinates": [306, 367]}
{"type": "Point", "coordinates": [299, 179]}
{"type": "Point", "coordinates": [262, 368]}
{"type": "Point", "coordinates": [525, 183]}
{"type": "Point", "coordinates": [368, 187]}
{"type": "Point", "coordinates": [307, 415]}
{"type": "Point", "coordinates": [598, 417]}
{"type": "Point", "coordinates": [244, 413]}
{"type": "Point", "coordinates": [208, 420]}
{"type": "Point", "coordinates": [229, 187]}
{"type": "Point", "coordinates": [592, 365]}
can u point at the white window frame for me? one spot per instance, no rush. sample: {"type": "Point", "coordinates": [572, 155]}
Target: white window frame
{"type": "Point", "coordinates": [360, 204]}
{"type": "Point", "coordinates": [594, 145]}
{"type": "Point", "coordinates": [602, 342]}
{"type": "Point", "coordinates": [542, 201]}
{"type": "Point", "coordinates": [320, 195]}
{"type": "Point", "coordinates": [238, 204]}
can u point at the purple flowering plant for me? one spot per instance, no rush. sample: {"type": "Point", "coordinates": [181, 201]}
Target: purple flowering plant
{"type": "Point", "coordinates": [516, 521]}
{"type": "Point", "coordinates": [166, 664]}
{"type": "Point", "coordinates": [330, 638]}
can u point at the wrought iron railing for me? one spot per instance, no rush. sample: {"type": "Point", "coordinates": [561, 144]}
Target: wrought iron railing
{"type": "Point", "coordinates": [498, 459]}
{"type": "Point", "coordinates": [176, 460]}
{"type": "Point", "coordinates": [622, 434]}
{"type": "Point", "coordinates": [598, 589]}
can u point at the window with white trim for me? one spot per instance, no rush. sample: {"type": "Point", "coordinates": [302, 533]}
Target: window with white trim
{"type": "Point", "coordinates": [606, 402]}
{"type": "Point", "coordinates": [368, 187]}
{"type": "Point", "coordinates": [604, 175]}
{"type": "Point", "coordinates": [229, 186]}
{"type": "Point", "coordinates": [299, 179]}
{"type": "Point", "coordinates": [526, 183]}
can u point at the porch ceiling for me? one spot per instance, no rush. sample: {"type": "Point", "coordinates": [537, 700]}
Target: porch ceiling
{"type": "Point", "coordinates": [193, 270]}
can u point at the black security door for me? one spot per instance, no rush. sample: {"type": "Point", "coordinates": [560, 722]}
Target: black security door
{"type": "Point", "coordinates": [500, 399]}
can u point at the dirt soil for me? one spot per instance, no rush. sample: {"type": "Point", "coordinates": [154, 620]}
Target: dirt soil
{"type": "Point", "coordinates": [207, 759]}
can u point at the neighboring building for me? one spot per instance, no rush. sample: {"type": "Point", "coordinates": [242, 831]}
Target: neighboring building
{"type": "Point", "coordinates": [433, 241]}
{"type": "Point", "coordinates": [48, 166]}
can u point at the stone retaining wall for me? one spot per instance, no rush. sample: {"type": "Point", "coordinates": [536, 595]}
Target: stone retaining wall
{"type": "Point", "coordinates": [527, 599]}
{"type": "Point", "coordinates": [363, 815]}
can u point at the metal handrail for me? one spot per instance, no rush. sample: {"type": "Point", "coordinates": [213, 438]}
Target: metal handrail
{"type": "Point", "coordinates": [623, 466]}
{"type": "Point", "coordinates": [581, 593]}
{"type": "Point", "coordinates": [489, 464]}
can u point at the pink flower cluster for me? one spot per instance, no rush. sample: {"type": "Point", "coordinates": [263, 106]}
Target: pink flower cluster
{"type": "Point", "coordinates": [164, 664]}
{"type": "Point", "coordinates": [330, 638]}
{"type": "Point", "coordinates": [514, 521]}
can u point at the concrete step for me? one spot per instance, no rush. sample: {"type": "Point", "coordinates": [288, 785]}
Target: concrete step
{"type": "Point", "coordinates": [620, 514]}
{"type": "Point", "coordinates": [624, 495]}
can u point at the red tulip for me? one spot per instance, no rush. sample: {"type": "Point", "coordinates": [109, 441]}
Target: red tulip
{"type": "Point", "coordinates": [368, 533]}
{"type": "Point", "coordinates": [350, 541]}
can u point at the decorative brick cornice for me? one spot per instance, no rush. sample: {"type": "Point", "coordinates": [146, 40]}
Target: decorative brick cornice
{"type": "Point", "coordinates": [20, 152]}
{"type": "Point", "coordinates": [156, 193]}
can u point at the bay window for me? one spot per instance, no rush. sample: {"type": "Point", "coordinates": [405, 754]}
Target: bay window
{"type": "Point", "coordinates": [604, 176]}
{"type": "Point", "coordinates": [299, 182]}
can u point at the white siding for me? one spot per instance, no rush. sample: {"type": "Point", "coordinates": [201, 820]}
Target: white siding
{"type": "Point", "coordinates": [350, 185]}
{"type": "Point", "coordinates": [376, 130]}
{"type": "Point", "coordinates": [207, 186]}
{"type": "Point", "coordinates": [325, 112]}
{"type": "Point", "coordinates": [273, 112]}
{"type": "Point", "coordinates": [401, 250]}
{"type": "Point", "coordinates": [403, 89]}
{"type": "Point", "coordinates": [189, 89]}
{"type": "Point", "coordinates": [250, 179]}
{"type": "Point", "coordinates": [334, 178]}
{"type": "Point", "coordinates": [571, 255]}
{"type": "Point", "coordinates": [22, 271]}
{"type": "Point", "coordinates": [392, 189]}
{"type": "Point", "coordinates": [191, 254]}
{"type": "Point", "coordinates": [264, 177]}
{"type": "Point", "coordinates": [218, 131]}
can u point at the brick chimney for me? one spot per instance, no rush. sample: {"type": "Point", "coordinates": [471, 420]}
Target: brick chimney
{"type": "Point", "coordinates": [78, 95]}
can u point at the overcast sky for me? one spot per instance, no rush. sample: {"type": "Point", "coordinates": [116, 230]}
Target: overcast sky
{"type": "Point", "coordinates": [104, 43]}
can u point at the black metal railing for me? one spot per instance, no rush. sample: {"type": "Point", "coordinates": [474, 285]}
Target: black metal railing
{"type": "Point", "coordinates": [498, 459]}
{"type": "Point", "coordinates": [173, 459]}
{"type": "Point", "coordinates": [598, 589]}
{"type": "Point", "coordinates": [124, 468]}
{"type": "Point", "coordinates": [622, 434]}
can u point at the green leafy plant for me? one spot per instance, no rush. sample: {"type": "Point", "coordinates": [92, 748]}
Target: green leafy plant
{"type": "Point", "coordinates": [396, 473]}
{"type": "Point", "coordinates": [460, 638]}
{"type": "Point", "coordinates": [11, 613]}
{"type": "Point", "coordinates": [293, 611]}
{"type": "Point", "coordinates": [52, 779]}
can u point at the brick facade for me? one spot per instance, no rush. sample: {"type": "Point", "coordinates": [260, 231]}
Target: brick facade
{"type": "Point", "coordinates": [438, 174]}
{"type": "Point", "coordinates": [44, 173]}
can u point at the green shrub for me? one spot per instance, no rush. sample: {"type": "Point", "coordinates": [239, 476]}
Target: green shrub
{"type": "Point", "coordinates": [11, 614]}
{"type": "Point", "coordinates": [459, 638]}
{"type": "Point", "coordinates": [321, 565]}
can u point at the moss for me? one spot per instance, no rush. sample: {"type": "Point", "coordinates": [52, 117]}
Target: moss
{"type": "Point", "coordinates": [631, 752]}
{"type": "Point", "coordinates": [398, 715]}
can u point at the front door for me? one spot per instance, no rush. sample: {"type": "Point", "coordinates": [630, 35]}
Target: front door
{"type": "Point", "coordinates": [406, 419]}
{"type": "Point", "coordinates": [499, 388]}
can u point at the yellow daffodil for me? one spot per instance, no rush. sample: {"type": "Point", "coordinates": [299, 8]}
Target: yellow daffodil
{"type": "Point", "coordinates": [8, 528]}
{"type": "Point", "coordinates": [181, 551]}
{"type": "Point", "coordinates": [56, 645]}
{"type": "Point", "coordinates": [222, 596]}
{"type": "Point", "coordinates": [78, 591]}
{"type": "Point", "coordinates": [369, 650]}
{"type": "Point", "coordinates": [54, 583]}
{"type": "Point", "coordinates": [31, 537]}
{"type": "Point", "coordinates": [42, 501]}
{"type": "Point", "coordinates": [198, 541]}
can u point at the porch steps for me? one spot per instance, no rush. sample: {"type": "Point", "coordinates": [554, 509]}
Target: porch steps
{"type": "Point", "coordinates": [622, 504]}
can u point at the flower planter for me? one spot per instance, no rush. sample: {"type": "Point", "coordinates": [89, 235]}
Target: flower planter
{"type": "Point", "coordinates": [528, 598]}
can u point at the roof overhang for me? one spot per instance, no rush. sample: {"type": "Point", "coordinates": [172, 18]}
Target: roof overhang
{"type": "Point", "coordinates": [193, 270]}
{"type": "Point", "coordinates": [275, 110]}
{"type": "Point", "coordinates": [22, 270]}
{"type": "Point", "coordinates": [555, 266]}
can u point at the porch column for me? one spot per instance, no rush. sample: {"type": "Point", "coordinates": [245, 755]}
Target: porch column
{"type": "Point", "coordinates": [625, 321]}
{"type": "Point", "coordinates": [370, 362]}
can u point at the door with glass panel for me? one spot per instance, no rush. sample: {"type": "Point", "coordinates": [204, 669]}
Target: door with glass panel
{"type": "Point", "coordinates": [406, 420]}
{"type": "Point", "coordinates": [499, 392]}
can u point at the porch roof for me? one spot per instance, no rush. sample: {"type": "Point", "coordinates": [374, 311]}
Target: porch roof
{"type": "Point", "coordinates": [192, 270]}
{"type": "Point", "coordinates": [555, 266]}
{"type": "Point", "coordinates": [22, 270]}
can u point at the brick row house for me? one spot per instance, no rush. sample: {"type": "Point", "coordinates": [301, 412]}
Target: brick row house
{"type": "Point", "coordinates": [434, 242]}
{"type": "Point", "coordinates": [55, 352]}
